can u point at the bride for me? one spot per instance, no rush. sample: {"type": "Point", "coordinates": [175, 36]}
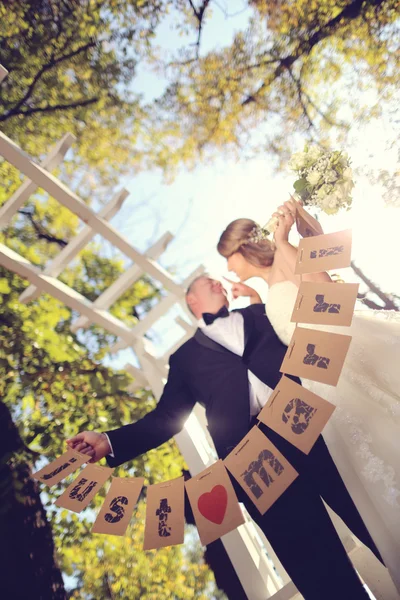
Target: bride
{"type": "Point", "coordinates": [363, 434]}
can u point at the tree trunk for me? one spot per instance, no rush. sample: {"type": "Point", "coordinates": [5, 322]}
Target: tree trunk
{"type": "Point", "coordinates": [27, 557]}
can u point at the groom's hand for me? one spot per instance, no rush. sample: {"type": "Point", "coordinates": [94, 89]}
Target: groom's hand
{"type": "Point", "coordinates": [241, 289]}
{"type": "Point", "coordinates": [95, 445]}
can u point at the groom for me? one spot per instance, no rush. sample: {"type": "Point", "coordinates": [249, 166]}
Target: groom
{"type": "Point", "coordinates": [230, 366]}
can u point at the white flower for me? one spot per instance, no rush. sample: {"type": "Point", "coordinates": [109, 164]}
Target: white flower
{"type": "Point", "coordinates": [313, 177]}
{"type": "Point", "coordinates": [348, 173]}
{"type": "Point", "coordinates": [330, 203]}
{"type": "Point", "coordinates": [330, 176]}
{"type": "Point", "coordinates": [343, 189]}
{"type": "Point", "coordinates": [298, 161]}
{"type": "Point", "coordinates": [314, 153]}
{"type": "Point", "coordinates": [324, 191]}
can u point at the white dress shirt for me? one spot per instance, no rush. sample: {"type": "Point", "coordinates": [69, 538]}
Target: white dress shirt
{"type": "Point", "coordinates": [229, 333]}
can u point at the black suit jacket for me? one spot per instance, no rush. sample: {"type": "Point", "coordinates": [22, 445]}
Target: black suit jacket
{"type": "Point", "coordinates": [203, 371]}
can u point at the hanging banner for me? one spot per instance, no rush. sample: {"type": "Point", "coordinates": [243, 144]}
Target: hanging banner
{"type": "Point", "coordinates": [259, 467]}
{"type": "Point", "coordinates": [165, 514]}
{"type": "Point", "coordinates": [307, 226]}
{"type": "Point", "coordinates": [325, 304]}
{"type": "Point", "coordinates": [296, 414]}
{"type": "Point", "coordinates": [61, 467]}
{"type": "Point", "coordinates": [214, 504]}
{"type": "Point", "coordinates": [117, 508]}
{"type": "Point", "coordinates": [316, 355]}
{"type": "Point", "coordinates": [324, 252]}
{"type": "Point", "coordinates": [82, 491]}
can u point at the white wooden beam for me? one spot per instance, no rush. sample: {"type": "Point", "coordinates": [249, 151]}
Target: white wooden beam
{"type": "Point", "coordinates": [77, 244]}
{"type": "Point", "coordinates": [140, 378]}
{"type": "Point", "coordinates": [159, 310]}
{"type": "Point", "coordinates": [190, 329]}
{"type": "Point", "coordinates": [3, 73]}
{"type": "Point", "coordinates": [23, 193]}
{"type": "Point", "coordinates": [124, 282]}
{"type": "Point", "coordinates": [17, 264]}
{"type": "Point", "coordinates": [13, 154]}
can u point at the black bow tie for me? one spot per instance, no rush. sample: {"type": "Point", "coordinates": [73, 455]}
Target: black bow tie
{"type": "Point", "coordinates": [209, 318]}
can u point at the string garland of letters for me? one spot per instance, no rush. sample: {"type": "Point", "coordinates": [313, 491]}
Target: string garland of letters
{"type": "Point", "coordinates": [292, 411]}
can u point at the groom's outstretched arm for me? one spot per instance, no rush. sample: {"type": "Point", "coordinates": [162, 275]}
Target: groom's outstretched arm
{"type": "Point", "coordinates": [155, 428]}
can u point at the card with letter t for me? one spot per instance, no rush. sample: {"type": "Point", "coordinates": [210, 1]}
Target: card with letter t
{"type": "Point", "coordinates": [165, 514]}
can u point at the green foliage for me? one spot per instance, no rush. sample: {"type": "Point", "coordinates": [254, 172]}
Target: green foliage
{"type": "Point", "coordinates": [290, 72]}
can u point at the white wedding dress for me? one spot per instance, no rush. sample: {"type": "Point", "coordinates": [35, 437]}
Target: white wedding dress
{"type": "Point", "coordinates": [363, 434]}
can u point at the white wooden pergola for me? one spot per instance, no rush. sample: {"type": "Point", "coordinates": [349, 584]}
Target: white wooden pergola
{"type": "Point", "coordinates": [259, 570]}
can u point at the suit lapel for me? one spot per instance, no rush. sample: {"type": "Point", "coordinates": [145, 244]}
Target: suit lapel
{"type": "Point", "coordinates": [205, 341]}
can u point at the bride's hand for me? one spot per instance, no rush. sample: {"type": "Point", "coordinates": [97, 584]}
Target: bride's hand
{"type": "Point", "coordinates": [286, 215]}
{"type": "Point", "coordinates": [239, 289]}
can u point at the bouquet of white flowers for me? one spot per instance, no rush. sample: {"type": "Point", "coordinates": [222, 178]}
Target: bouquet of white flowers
{"type": "Point", "coordinates": [324, 178]}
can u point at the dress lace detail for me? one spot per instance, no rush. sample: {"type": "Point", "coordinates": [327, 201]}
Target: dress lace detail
{"type": "Point", "coordinates": [374, 469]}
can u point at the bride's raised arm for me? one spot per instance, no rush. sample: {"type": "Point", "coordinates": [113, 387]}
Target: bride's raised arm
{"type": "Point", "coordinates": [286, 253]}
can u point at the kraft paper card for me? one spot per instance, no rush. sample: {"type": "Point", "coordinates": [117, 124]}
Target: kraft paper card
{"type": "Point", "coordinates": [84, 488]}
{"type": "Point", "coordinates": [325, 303]}
{"type": "Point", "coordinates": [324, 252]}
{"type": "Point", "coordinates": [316, 355]}
{"type": "Point", "coordinates": [165, 514]}
{"type": "Point", "coordinates": [307, 226]}
{"type": "Point", "coordinates": [118, 506]}
{"type": "Point", "coordinates": [296, 414]}
{"type": "Point", "coordinates": [259, 467]}
{"type": "Point", "coordinates": [213, 500]}
{"type": "Point", "coordinates": [61, 467]}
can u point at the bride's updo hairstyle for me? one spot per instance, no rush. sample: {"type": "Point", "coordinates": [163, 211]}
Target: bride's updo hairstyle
{"type": "Point", "coordinates": [235, 238]}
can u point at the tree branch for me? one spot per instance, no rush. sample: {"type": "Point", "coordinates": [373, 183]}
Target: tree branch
{"type": "Point", "coordinates": [52, 63]}
{"type": "Point", "coordinates": [350, 12]}
{"type": "Point", "coordinates": [389, 304]}
{"type": "Point", "coordinates": [50, 108]}
{"type": "Point", "coordinates": [41, 231]}
{"type": "Point", "coordinates": [199, 14]}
